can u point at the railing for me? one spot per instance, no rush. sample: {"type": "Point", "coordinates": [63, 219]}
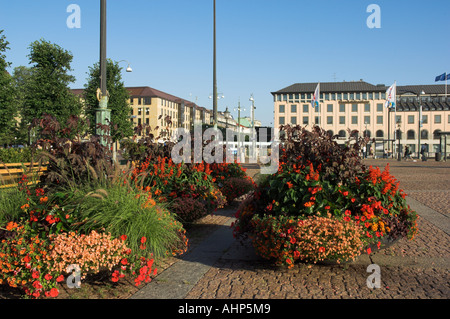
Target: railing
{"type": "Point", "coordinates": [11, 173]}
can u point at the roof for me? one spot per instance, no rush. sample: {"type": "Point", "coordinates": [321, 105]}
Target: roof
{"type": "Point", "coordinates": [416, 89]}
{"type": "Point", "coordinates": [333, 87]}
{"type": "Point", "coordinates": [360, 86]}
{"type": "Point", "coordinates": [146, 91]}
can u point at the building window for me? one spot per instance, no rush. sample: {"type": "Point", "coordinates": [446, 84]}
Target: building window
{"type": "Point", "coordinates": [333, 96]}
{"type": "Point", "coordinates": [305, 120]}
{"type": "Point", "coordinates": [281, 109]}
{"type": "Point", "coordinates": [339, 96]}
{"type": "Point", "coordinates": [354, 107]}
{"type": "Point", "coordinates": [147, 111]}
{"type": "Point", "coordinates": [398, 119]}
{"type": "Point", "coordinates": [436, 135]}
{"type": "Point", "coordinates": [379, 107]}
{"type": "Point", "coordinates": [345, 96]}
{"type": "Point", "coordinates": [437, 119]}
{"type": "Point", "coordinates": [380, 133]}
{"type": "Point", "coordinates": [410, 119]}
{"type": "Point", "coordinates": [352, 96]}
{"type": "Point", "coordinates": [364, 96]}
{"type": "Point", "coordinates": [370, 96]}
{"type": "Point", "coordinates": [329, 120]}
{"type": "Point", "coordinates": [424, 135]}
{"type": "Point", "coordinates": [342, 108]}
{"type": "Point", "coordinates": [354, 120]}
{"type": "Point", "coordinates": [131, 100]}
{"type": "Point", "coordinates": [293, 108]}
{"type": "Point", "coordinates": [379, 119]}
{"type": "Point", "coordinates": [367, 107]}
{"type": "Point", "coordinates": [358, 96]}
{"type": "Point", "coordinates": [341, 119]}
{"type": "Point", "coordinates": [411, 135]}
{"type": "Point", "coordinates": [139, 101]}
{"type": "Point", "coordinates": [366, 119]}
{"type": "Point", "coordinates": [139, 111]}
{"type": "Point", "coordinates": [281, 120]}
{"type": "Point", "coordinates": [305, 108]}
{"type": "Point", "coordinates": [330, 108]}
{"type": "Point", "coordinates": [448, 119]}
{"type": "Point", "coordinates": [294, 120]}
{"type": "Point", "coordinates": [424, 119]}
{"type": "Point", "coordinates": [316, 120]}
{"type": "Point", "coordinates": [342, 133]}
{"type": "Point", "coordinates": [279, 97]}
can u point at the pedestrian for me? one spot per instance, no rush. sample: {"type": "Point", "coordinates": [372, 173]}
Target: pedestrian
{"type": "Point", "coordinates": [422, 153]}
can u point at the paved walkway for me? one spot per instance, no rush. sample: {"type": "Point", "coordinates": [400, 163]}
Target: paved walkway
{"type": "Point", "coordinates": [222, 268]}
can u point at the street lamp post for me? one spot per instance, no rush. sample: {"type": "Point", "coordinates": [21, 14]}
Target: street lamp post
{"type": "Point", "coordinates": [239, 128]}
{"type": "Point", "coordinates": [102, 112]}
{"type": "Point", "coordinates": [420, 123]}
{"type": "Point", "coordinates": [399, 136]}
{"type": "Point", "coordinates": [253, 126]}
{"type": "Point", "coordinates": [226, 114]}
{"type": "Point", "coordinates": [214, 73]}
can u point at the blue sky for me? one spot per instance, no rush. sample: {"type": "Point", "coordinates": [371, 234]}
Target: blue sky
{"type": "Point", "coordinates": [262, 46]}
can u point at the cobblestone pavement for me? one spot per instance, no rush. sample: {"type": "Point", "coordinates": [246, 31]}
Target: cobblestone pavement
{"type": "Point", "coordinates": [409, 269]}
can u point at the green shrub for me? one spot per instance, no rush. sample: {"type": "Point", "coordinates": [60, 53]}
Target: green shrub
{"type": "Point", "coordinates": [123, 210]}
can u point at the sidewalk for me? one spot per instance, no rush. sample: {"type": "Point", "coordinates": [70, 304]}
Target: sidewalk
{"type": "Point", "coordinates": [222, 268]}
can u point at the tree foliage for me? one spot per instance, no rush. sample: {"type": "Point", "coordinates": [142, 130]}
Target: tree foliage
{"type": "Point", "coordinates": [48, 89]}
{"type": "Point", "coordinates": [121, 125]}
{"type": "Point", "coordinates": [8, 109]}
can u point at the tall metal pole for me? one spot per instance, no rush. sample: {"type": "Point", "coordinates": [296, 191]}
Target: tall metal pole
{"type": "Point", "coordinates": [214, 73]}
{"type": "Point", "coordinates": [103, 47]}
{"type": "Point", "coordinates": [102, 113]}
{"type": "Point", "coordinates": [420, 125]}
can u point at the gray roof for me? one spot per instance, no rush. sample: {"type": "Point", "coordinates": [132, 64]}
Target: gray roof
{"type": "Point", "coordinates": [333, 87]}
{"type": "Point", "coordinates": [361, 86]}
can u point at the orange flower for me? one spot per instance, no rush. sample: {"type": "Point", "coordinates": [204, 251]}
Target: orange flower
{"type": "Point", "coordinates": [289, 184]}
{"type": "Point", "coordinates": [11, 225]}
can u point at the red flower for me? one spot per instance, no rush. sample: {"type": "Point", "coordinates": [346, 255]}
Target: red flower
{"type": "Point", "coordinates": [48, 277]}
{"type": "Point", "coordinates": [321, 249]}
{"type": "Point", "coordinates": [369, 250]}
{"type": "Point", "coordinates": [123, 237]}
{"type": "Point", "coordinates": [60, 278]}
{"type": "Point", "coordinates": [124, 261]}
{"type": "Point", "coordinates": [289, 184]}
{"type": "Point", "coordinates": [143, 240]}
{"type": "Point", "coordinates": [35, 275]}
{"type": "Point", "coordinates": [52, 293]}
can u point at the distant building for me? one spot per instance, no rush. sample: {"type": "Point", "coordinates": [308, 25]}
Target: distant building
{"type": "Point", "coordinates": [150, 107]}
{"type": "Point", "coordinates": [360, 106]}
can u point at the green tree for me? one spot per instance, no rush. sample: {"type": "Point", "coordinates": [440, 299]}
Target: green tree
{"type": "Point", "coordinates": [8, 109]}
{"type": "Point", "coordinates": [121, 125]}
{"type": "Point", "coordinates": [48, 89]}
{"type": "Point", "coordinates": [21, 78]}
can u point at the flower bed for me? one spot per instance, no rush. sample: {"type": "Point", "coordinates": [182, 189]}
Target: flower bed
{"type": "Point", "coordinates": [319, 207]}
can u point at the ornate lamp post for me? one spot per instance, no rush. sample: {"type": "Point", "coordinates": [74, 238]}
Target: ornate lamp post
{"type": "Point", "coordinates": [102, 112]}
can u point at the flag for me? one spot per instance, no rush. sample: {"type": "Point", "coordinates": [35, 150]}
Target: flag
{"type": "Point", "coordinates": [316, 97]}
{"type": "Point", "coordinates": [443, 77]}
{"type": "Point", "coordinates": [391, 96]}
